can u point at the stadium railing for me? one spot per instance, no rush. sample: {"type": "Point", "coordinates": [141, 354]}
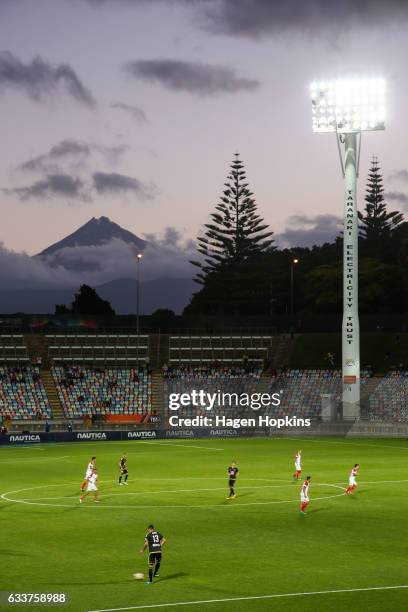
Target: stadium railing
{"type": "Point", "coordinates": [113, 349]}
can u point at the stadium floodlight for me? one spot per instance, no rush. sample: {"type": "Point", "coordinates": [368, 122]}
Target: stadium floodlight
{"type": "Point", "coordinates": [347, 107]}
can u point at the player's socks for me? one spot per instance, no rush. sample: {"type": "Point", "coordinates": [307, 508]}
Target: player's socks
{"type": "Point", "coordinates": [126, 477]}
{"type": "Point", "coordinates": [120, 479]}
{"type": "Point", "coordinates": [156, 569]}
{"type": "Point", "coordinates": [150, 575]}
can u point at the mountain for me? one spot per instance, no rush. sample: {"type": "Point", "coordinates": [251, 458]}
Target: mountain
{"type": "Point", "coordinates": [102, 254]}
{"type": "Point", "coordinates": [94, 233]}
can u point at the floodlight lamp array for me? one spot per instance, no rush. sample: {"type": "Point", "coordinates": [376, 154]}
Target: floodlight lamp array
{"type": "Point", "coordinates": [348, 105]}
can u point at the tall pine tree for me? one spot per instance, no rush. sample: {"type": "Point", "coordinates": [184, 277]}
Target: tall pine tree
{"type": "Point", "coordinates": [376, 223]}
{"type": "Point", "coordinates": [237, 233]}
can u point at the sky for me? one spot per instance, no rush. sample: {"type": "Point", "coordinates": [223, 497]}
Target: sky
{"type": "Point", "coordinates": [133, 109]}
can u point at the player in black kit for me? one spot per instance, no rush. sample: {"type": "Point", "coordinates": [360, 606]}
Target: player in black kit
{"type": "Point", "coordinates": [123, 470]}
{"type": "Point", "coordinates": [154, 540]}
{"type": "Point", "coordinates": [232, 477]}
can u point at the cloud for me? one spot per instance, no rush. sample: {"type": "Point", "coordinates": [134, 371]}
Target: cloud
{"type": "Point", "coordinates": [71, 150]}
{"type": "Point", "coordinates": [259, 18]}
{"type": "Point", "coordinates": [59, 152]}
{"type": "Point", "coordinates": [305, 231]}
{"type": "Point", "coordinates": [54, 185]}
{"type": "Point", "coordinates": [399, 175]}
{"type": "Point", "coordinates": [72, 187]}
{"type": "Point", "coordinates": [397, 196]}
{"type": "Point", "coordinates": [193, 77]}
{"type": "Point", "coordinates": [115, 259]}
{"type": "Point", "coordinates": [134, 111]}
{"type": "Point", "coordinates": [256, 18]}
{"type": "Point", "coordinates": [20, 271]}
{"type": "Point", "coordinates": [171, 238]}
{"type": "Point", "coordinates": [112, 182]}
{"type": "Point", "coordinates": [36, 284]}
{"type": "Point", "coordinates": [39, 79]}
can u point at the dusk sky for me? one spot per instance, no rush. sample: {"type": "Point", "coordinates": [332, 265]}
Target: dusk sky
{"type": "Point", "coordinates": [133, 109]}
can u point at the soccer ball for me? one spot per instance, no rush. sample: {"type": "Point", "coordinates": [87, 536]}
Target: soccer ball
{"type": "Point", "coordinates": [138, 576]}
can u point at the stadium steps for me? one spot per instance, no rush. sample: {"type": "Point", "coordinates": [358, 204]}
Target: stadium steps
{"type": "Point", "coordinates": [366, 392]}
{"type": "Point", "coordinates": [52, 394]}
{"type": "Point", "coordinates": [37, 347]}
{"type": "Point", "coordinates": [158, 350]}
{"type": "Point", "coordinates": [157, 391]}
{"type": "Point", "coordinates": [281, 349]}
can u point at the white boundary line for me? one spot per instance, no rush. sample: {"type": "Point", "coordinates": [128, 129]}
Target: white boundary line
{"type": "Point", "coordinates": [34, 459]}
{"type": "Point", "coordinates": [4, 497]}
{"type": "Point", "coordinates": [135, 493]}
{"type": "Point", "coordinates": [329, 441]}
{"type": "Point", "coordinates": [129, 442]}
{"type": "Point", "coordinates": [252, 598]}
{"type": "Point", "coordinates": [171, 443]}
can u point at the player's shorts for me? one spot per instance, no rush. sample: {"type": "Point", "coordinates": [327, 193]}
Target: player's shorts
{"type": "Point", "coordinates": [91, 487]}
{"type": "Point", "coordinates": [304, 499]}
{"type": "Point", "coordinates": [124, 471]}
{"type": "Point", "coordinates": [352, 481]}
{"type": "Point", "coordinates": [231, 482]}
{"type": "Point", "coordinates": [154, 557]}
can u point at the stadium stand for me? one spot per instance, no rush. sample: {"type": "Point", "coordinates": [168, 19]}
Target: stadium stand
{"type": "Point", "coordinates": [98, 391]}
{"type": "Point", "coordinates": [211, 378]}
{"type": "Point", "coordinates": [389, 401]}
{"type": "Point", "coordinates": [107, 349]}
{"type": "Point", "coordinates": [13, 349]}
{"type": "Point", "coordinates": [22, 394]}
{"type": "Point", "coordinates": [301, 391]}
{"type": "Point", "coordinates": [223, 348]}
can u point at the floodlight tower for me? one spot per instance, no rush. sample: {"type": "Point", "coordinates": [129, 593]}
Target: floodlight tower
{"type": "Point", "coordinates": [348, 107]}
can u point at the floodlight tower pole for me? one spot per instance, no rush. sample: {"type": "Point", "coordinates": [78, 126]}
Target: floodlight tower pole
{"type": "Point", "coordinates": [351, 325]}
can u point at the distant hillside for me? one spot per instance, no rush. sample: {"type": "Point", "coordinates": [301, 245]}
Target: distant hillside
{"type": "Point", "coordinates": [173, 293]}
{"type": "Point", "coordinates": [161, 293]}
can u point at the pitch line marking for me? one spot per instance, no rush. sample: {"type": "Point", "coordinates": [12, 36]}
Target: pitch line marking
{"type": "Point", "coordinates": [34, 459]}
{"type": "Point", "coordinates": [171, 444]}
{"type": "Point", "coordinates": [252, 598]}
{"type": "Point", "coordinates": [4, 497]}
{"type": "Point", "coordinates": [386, 446]}
{"type": "Point", "coordinates": [123, 442]}
{"type": "Point", "coordinates": [105, 495]}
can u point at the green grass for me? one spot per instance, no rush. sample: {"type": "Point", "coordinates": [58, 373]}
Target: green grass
{"type": "Point", "coordinates": [256, 545]}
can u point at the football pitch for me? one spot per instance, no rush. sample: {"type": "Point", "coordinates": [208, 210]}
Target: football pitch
{"type": "Point", "coordinates": [254, 553]}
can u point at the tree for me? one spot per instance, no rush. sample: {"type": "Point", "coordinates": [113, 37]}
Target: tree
{"type": "Point", "coordinates": [376, 224]}
{"type": "Point", "coordinates": [237, 233]}
{"type": "Point", "coordinates": [86, 301]}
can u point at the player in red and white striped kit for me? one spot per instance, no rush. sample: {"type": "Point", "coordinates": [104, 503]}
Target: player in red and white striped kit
{"type": "Point", "coordinates": [298, 465]}
{"type": "Point", "coordinates": [304, 495]}
{"type": "Point", "coordinates": [352, 479]}
{"type": "Point", "coordinates": [91, 487]}
{"type": "Point", "coordinates": [88, 473]}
